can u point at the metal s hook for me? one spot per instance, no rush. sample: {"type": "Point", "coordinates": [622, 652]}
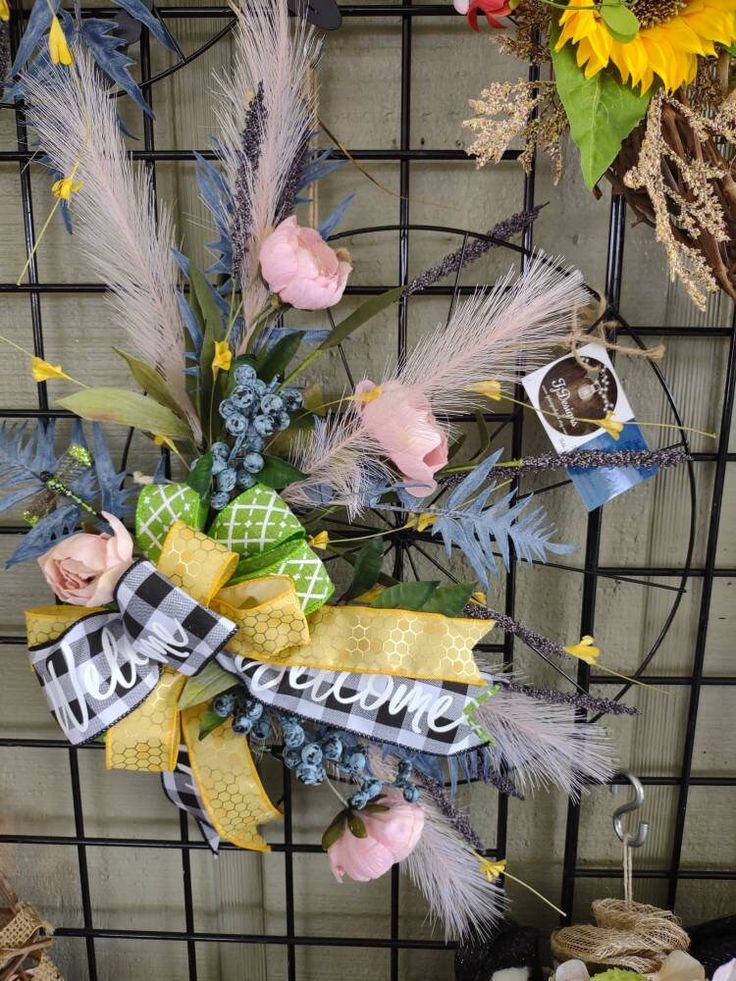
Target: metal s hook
{"type": "Point", "coordinates": [634, 804]}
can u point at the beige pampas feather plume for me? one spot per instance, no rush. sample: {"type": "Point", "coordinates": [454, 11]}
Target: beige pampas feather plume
{"type": "Point", "coordinates": [266, 116]}
{"type": "Point", "coordinates": [114, 218]}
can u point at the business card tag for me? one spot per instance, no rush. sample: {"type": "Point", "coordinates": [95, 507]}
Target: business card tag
{"type": "Point", "coordinates": [571, 390]}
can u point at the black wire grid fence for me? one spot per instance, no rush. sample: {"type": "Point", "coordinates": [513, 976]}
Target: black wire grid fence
{"type": "Point", "coordinates": [403, 15]}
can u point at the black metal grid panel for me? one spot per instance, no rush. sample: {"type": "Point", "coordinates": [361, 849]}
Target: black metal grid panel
{"type": "Point", "coordinates": [403, 15]}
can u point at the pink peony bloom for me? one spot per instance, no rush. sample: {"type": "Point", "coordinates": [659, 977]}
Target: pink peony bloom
{"type": "Point", "coordinates": [493, 9]}
{"type": "Point", "coordinates": [301, 267]}
{"type": "Point", "coordinates": [390, 836]}
{"type": "Point", "coordinates": [84, 569]}
{"type": "Point", "coordinates": [405, 426]}
{"type": "Point", "coordinates": [726, 972]}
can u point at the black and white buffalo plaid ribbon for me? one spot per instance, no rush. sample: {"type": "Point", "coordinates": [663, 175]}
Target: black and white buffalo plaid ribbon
{"type": "Point", "coordinates": [180, 786]}
{"type": "Point", "coordinates": [429, 716]}
{"type": "Point", "coordinates": [105, 664]}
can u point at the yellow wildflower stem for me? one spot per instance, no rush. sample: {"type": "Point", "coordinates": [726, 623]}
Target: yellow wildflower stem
{"type": "Point", "coordinates": [630, 422]}
{"type": "Point", "coordinates": [536, 893]}
{"type": "Point", "coordinates": [39, 237]}
{"type": "Point", "coordinates": [633, 681]}
{"type": "Point", "coordinates": [34, 357]}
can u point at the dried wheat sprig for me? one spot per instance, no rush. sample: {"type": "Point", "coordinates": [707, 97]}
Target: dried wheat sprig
{"type": "Point", "coordinates": [124, 242]}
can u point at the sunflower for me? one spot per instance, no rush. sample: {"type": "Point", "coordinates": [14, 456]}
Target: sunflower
{"type": "Point", "coordinates": [672, 34]}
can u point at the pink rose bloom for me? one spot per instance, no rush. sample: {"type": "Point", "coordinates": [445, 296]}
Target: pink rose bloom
{"type": "Point", "coordinates": [301, 267]}
{"type": "Point", "coordinates": [84, 569]}
{"type": "Point", "coordinates": [405, 426]}
{"type": "Point", "coordinates": [391, 836]}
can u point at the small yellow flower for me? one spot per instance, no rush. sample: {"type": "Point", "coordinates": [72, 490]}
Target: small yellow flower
{"type": "Point", "coordinates": [491, 870]}
{"type": "Point", "coordinates": [480, 598]}
{"type": "Point", "coordinates": [421, 521]}
{"type": "Point", "coordinates": [490, 389]}
{"type": "Point", "coordinates": [610, 423]}
{"type": "Point", "coordinates": [58, 46]}
{"type": "Point", "coordinates": [64, 188]}
{"type": "Point", "coordinates": [4, 10]}
{"type": "Point", "coordinates": [321, 540]}
{"type": "Point", "coordinates": [164, 441]}
{"type": "Point", "coordinates": [43, 370]}
{"type": "Point", "coordinates": [370, 396]}
{"type": "Point", "coordinates": [223, 357]}
{"type": "Point", "coordinates": [585, 650]}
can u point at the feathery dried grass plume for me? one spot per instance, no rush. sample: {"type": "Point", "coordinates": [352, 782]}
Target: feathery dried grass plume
{"type": "Point", "coordinates": [115, 222]}
{"type": "Point", "coordinates": [494, 334]}
{"type": "Point", "coordinates": [543, 745]}
{"type": "Point", "coordinates": [446, 870]}
{"type": "Point", "coordinates": [340, 459]}
{"type": "Point", "coordinates": [508, 111]}
{"type": "Point", "coordinates": [266, 116]}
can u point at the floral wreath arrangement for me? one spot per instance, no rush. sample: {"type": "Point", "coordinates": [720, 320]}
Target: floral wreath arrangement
{"type": "Point", "coordinates": [213, 636]}
{"type": "Point", "coordinates": [646, 90]}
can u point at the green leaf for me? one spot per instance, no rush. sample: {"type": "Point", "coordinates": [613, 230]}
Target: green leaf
{"type": "Point", "coordinates": [210, 391]}
{"type": "Point", "coordinates": [602, 110]}
{"type": "Point", "coordinates": [208, 723]}
{"type": "Point", "coordinates": [449, 600]}
{"type": "Point", "coordinates": [278, 473]}
{"type": "Point", "coordinates": [334, 830]}
{"type": "Point", "coordinates": [356, 825]}
{"type": "Point", "coordinates": [405, 596]}
{"type": "Point", "coordinates": [376, 808]}
{"type": "Point", "coordinates": [277, 359]}
{"type": "Point", "coordinates": [622, 23]}
{"type": "Point", "coordinates": [358, 317]}
{"type": "Point", "coordinates": [200, 476]}
{"type": "Point", "coordinates": [150, 381]}
{"type": "Point", "coordinates": [618, 974]}
{"type": "Point", "coordinates": [205, 686]}
{"type": "Point", "coordinates": [367, 568]}
{"type": "Point", "coordinates": [127, 408]}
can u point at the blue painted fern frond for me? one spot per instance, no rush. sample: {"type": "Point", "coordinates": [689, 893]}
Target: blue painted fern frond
{"type": "Point", "coordinates": [52, 528]}
{"type": "Point", "coordinates": [475, 525]}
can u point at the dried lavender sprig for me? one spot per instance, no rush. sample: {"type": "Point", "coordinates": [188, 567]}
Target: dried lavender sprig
{"type": "Point", "coordinates": [250, 151]}
{"type": "Point", "coordinates": [460, 258]}
{"type": "Point", "coordinates": [538, 643]}
{"type": "Point", "coordinates": [504, 786]}
{"type": "Point", "coordinates": [293, 178]}
{"type": "Point", "coordinates": [4, 52]}
{"type": "Point", "coordinates": [457, 819]}
{"type": "Point", "coordinates": [578, 699]}
{"type": "Point", "coordinates": [585, 460]}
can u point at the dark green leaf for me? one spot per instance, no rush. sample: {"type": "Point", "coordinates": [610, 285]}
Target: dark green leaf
{"type": "Point", "coordinates": [358, 317]}
{"type": "Point", "coordinates": [200, 476]}
{"type": "Point", "coordinates": [127, 408]}
{"type": "Point", "coordinates": [405, 596]}
{"type": "Point", "coordinates": [150, 381]}
{"type": "Point", "coordinates": [376, 808]}
{"type": "Point", "coordinates": [278, 357]}
{"type": "Point", "coordinates": [278, 473]}
{"type": "Point", "coordinates": [602, 110]}
{"type": "Point", "coordinates": [621, 22]}
{"type": "Point", "coordinates": [449, 600]}
{"type": "Point", "coordinates": [214, 330]}
{"type": "Point", "coordinates": [367, 568]}
{"type": "Point", "coordinates": [208, 723]}
{"type": "Point", "coordinates": [356, 825]}
{"type": "Point", "coordinates": [334, 831]}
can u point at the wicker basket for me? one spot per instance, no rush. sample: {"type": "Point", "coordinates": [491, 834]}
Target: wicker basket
{"type": "Point", "coordinates": [24, 941]}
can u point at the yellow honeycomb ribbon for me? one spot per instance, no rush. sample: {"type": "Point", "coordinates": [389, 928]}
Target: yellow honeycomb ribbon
{"type": "Point", "coordinates": [229, 786]}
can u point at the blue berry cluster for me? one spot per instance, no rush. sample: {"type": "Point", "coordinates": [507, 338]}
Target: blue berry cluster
{"type": "Point", "coordinates": [249, 716]}
{"type": "Point", "coordinates": [252, 413]}
{"type": "Point", "coordinates": [404, 782]}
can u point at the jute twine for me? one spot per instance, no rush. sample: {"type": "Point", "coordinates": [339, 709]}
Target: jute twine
{"type": "Point", "coordinates": [625, 933]}
{"type": "Point", "coordinates": [24, 939]}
